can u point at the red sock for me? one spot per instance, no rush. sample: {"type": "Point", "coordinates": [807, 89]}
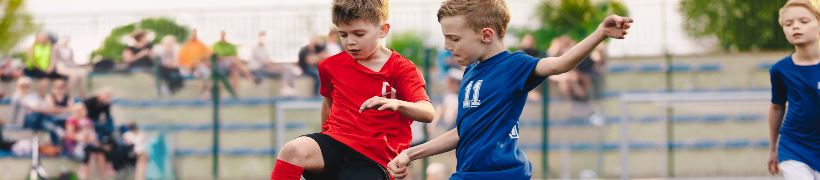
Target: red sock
{"type": "Point", "coordinates": [286, 171]}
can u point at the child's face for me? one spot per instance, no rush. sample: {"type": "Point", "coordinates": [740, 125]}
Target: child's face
{"type": "Point", "coordinates": [463, 42]}
{"type": "Point", "coordinates": [361, 38]}
{"type": "Point", "coordinates": [800, 25]}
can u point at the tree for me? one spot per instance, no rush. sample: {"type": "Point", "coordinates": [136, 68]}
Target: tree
{"type": "Point", "coordinates": [738, 24]}
{"type": "Point", "coordinates": [408, 44]}
{"type": "Point", "coordinates": [576, 18]}
{"type": "Point", "coordinates": [112, 46]}
{"type": "Point", "coordinates": [15, 24]}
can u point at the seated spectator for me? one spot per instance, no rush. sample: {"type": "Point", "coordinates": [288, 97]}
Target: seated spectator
{"type": "Point", "coordinates": [66, 66]}
{"type": "Point", "coordinates": [137, 139]}
{"type": "Point", "coordinates": [99, 111]}
{"type": "Point", "coordinates": [138, 56]}
{"type": "Point", "coordinates": [262, 66]}
{"type": "Point", "coordinates": [167, 53]}
{"type": "Point", "coordinates": [228, 63]}
{"type": "Point", "coordinates": [194, 61]}
{"type": "Point", "coordinates": [309, 57]}
{"type": "Point", "coordinates": [59, 101]}
{"type": "Point", "coordinates": [39, 64]}
{"type": "Point", "coordinates": [10, 70]}
{"type": "Point", "coordinates": [81, 142]}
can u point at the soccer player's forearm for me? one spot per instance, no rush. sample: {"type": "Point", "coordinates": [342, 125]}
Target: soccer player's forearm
{"type": "Point", "coordinates": [570, 59]}
{"type": "Point", "coordinates": [776, 113]}
{"type": "Point", "coordinates": [421, 111]}
{"type": "Point", "coordinates": [443, 143]}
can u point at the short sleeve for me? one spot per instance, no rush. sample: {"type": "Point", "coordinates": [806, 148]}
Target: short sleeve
{"type": "Point", "coordinates": [778, 86]}
{"type": "Point", "coordinates": [410, 84]}
{"type": "Point", "coordinates": [325, 87]}
{"type": "Point", "coordinates": [522, 66]}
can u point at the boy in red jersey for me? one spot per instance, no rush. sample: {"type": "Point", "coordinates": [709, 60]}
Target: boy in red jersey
{"type": "Point", "coordinates": [372, 94]}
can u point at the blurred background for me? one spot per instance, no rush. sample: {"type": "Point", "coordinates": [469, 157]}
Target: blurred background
{"type": "Point", "coordinates": [153, 89]}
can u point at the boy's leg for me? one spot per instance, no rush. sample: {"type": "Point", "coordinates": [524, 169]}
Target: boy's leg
{"type": "Point", "coordinates": [358, 166]}
{"type": "Point", "coordinates": [296, 156]}
{"type": "Point", "coordinates": [794, 170]}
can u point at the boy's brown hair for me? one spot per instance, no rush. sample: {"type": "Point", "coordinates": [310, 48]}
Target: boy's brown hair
{"type": "Point", "coordinates": [808, 4]}
{"type": "Point", "coordinates": [346, 11]}
{"type": "Point", "coordinates": [478, 14]}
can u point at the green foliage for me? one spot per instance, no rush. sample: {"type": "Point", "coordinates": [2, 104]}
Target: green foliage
{"type": "Point", "coordinates": [112, 46]}
{"type": "Point", "coordinates": [738, 24]}
{"type": "Point", "coordinates": [15, 24]}
{"type": "Point", "coordinates": [576, 18]}
{"type": "Point", "coordinates": [408, 44]}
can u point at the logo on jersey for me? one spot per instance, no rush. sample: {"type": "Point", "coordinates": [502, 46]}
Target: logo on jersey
{"type": "Point", "coordinates": [818, 85]}
{"type": "Point", "coordinates": [388, 91]}
{"type": "Point", "coordinates": [514, 132]}
{"type": "Point", "coordinates": [474, 88]}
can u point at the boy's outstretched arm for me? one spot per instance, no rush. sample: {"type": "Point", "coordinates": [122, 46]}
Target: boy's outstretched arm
{"type": "Point", "coordinates": [446, 142]}
{"type": "Point", "coordinates": [421, 111]}
{"type": "Point", "coordinates": [613, 26]}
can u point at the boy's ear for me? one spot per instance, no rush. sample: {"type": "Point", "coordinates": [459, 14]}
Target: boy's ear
{"type": "Point", "coordinates": [487, 35]}
{"type": "Point", "coordinates": [383, 30]}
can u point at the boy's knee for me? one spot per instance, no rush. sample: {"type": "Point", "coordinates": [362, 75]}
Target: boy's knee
{"type": "Point", "coordinates": [295, 151]}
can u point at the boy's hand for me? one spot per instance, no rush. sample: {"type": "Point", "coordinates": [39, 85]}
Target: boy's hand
{"type": "Point", "coordinates": [773, 169]}
{"type": "Point", "coordinates": [398, 166]}
{"type": "Point", "coordinates": [380, 103]}
{"type": "Point", "coordinates": [615, 26]}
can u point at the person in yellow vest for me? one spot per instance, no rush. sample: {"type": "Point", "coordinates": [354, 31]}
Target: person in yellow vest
{"type": "Point", "coordinates": [39, 64]}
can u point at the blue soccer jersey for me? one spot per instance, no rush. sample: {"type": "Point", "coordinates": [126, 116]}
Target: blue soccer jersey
{"type": "Point", "coordinates": [492, 95]}
{"type": "Point", "coordinates": [800, 133]}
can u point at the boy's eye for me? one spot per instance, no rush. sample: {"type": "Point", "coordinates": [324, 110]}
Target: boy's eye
{"type": "Point", "coordinates": [360, 34]}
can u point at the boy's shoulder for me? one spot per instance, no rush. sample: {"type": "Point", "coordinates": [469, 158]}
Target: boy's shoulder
{"type": "Point", "coordinates": [401, 60]}
{"type": "Point", "coordinates": [782, 63]}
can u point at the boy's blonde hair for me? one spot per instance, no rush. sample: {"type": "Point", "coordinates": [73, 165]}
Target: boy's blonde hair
{"type": "Point", "coordinates": [373, 11]}
{"type": "Point", "coordinates": [479, 14]}
{"type": "Point", "coordinates": [811, 5]}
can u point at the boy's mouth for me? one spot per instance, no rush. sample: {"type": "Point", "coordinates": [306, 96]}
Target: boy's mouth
{"type": "Point", "coordinates": [353, 51]}
{"type": "Point", "coordinates": [797, 35]}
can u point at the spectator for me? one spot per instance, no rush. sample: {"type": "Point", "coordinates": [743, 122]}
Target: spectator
{"type": "Point", "coordinates": [39, 64]}
{"type": "Point", "coordinates": [137, 140]}
{"type": "Point", "coordinates": [138, 56]}
{"type": "Point", "coordinates": [29, 109]}
{"type": "Point", "coordinates": [332, 43]}
{"type": "Point", "coordinates": [262, 66]}
{"type": "Point", "coordinates": [68, 67]}
{"type": "Point", "coordinates": [81, 142]}
{"type": "Point", "coordinates": [59, 101]}
{"type": "Point", "coordinates": [228, 63]}
{"type": "Point", "coordinates": [23, 101]}
{"type": "Point", "coordinates": [309, 58]}
{"type": "Point", "coordinates": [99, 111]}
{"type": "Point", "coordinates": [193, 60]}
{"type": "Point", "coordinates": [192, 54]}
{"type": "Point", "coordinates": [169, 65]}
{"type": "Point", "coordinates": [528, 46]}
{"type": "Point", "coordinates": [10, 70]}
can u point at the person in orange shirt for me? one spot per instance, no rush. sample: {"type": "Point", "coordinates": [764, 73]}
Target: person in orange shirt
{"type": "Point", "coordinates": [193, 53]}
{"type": "Point", "coordinates": [193, 60]}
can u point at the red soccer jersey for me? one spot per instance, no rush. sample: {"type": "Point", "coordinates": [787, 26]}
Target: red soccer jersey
{"type": "Point", "coordinates": [379, 135]}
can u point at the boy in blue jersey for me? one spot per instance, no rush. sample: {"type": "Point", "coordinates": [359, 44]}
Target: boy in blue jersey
{"type": "Point", "coordinates": [493, 90]}
{"type": "Point", "coordinates": [796, 79]}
